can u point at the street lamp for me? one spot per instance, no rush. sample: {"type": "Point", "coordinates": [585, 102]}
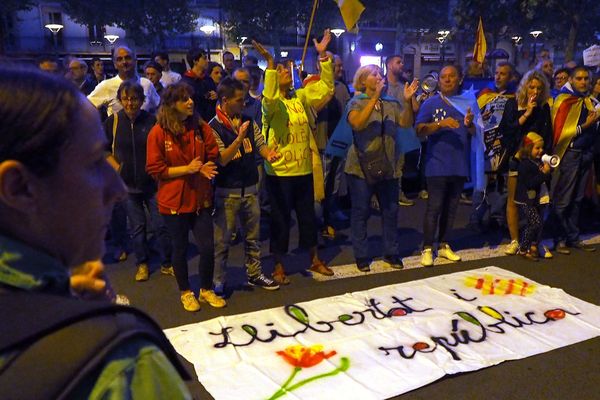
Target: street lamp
{"type": "Point", "coordinates": [517, 43]}
{"type": "Point", "coordinates": [54, 28]}
{"type": "Point", "coordinates": [535, 35]}
{"type": "Point", "coordinates": [442, 38]}
{"type": "Point", "coordinates": [208, 30]}
{"type": "Point", "coordinates": [337, 32]}
{"type": "Point", "coordinates": [111, 38]}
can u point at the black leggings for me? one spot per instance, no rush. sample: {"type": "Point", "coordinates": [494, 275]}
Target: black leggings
{"type": "Point", "coordinates": [531, 232]}
{"type": "Point", "coordinates": [179, 226]}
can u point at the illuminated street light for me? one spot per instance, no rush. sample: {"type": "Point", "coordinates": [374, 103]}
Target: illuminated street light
{"type": "Point", "coordinates": [54, 28]}
{"type": "Point", "coordinates": [283, 54]}
{"type": "Point", "coordinates": [111, 38]}
{"type": "Point", "coordinates": [208, 29]}
{"type": "Point", "coordinates": [379, 46]}
{"type": "Point", "coordinates": [516, 40]}
{"type": "Point", "coordinates": [337, 32]}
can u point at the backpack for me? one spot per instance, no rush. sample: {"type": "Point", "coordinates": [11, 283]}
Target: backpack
{"type": "Point", "coordinates": [61, 341]}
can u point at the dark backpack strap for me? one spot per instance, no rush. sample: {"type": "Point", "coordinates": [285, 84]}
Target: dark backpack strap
{"type": "Point", "coordinates": [61, 341]}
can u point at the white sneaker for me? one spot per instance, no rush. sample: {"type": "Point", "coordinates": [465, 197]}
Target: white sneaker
{"type": "Point", "coordinates": [446, 252]}
{"type": "Point", "coordinates": [427, 257]}
{"type": "Point", "coordinates": [512, 248]}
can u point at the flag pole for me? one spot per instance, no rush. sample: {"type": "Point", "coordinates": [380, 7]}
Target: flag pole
{"type": "Point", "coordinates": [312, 17]}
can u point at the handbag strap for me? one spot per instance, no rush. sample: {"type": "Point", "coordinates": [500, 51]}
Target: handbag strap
{"type": "Point", "coordinates": [380, 102]}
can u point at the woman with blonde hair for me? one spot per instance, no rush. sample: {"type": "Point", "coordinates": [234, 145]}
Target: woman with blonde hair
{"type": "Point", "coordinates": [372, 161]}
{"type": "Point", "coordinates": [527, 112]}
{"type": "Point", "coordinates": [181, 155]}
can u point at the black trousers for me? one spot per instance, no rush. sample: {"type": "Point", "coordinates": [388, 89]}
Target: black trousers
{"type": "Point", "coordinates": [287, 193]}
{"type": "Point", "coordinates": [179, 226]}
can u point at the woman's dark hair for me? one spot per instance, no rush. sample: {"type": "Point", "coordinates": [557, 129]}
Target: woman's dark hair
{"type": "Point", "coordinates": [130, 87]}
{"type": "Point", "coordinates": [39, 112]}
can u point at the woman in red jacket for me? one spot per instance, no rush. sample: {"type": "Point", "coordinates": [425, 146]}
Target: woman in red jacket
{"type": "Point", "coordinates": [180, 155]}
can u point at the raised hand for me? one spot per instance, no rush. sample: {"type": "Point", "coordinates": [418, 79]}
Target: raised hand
{"type": "Point", "coordinates": [243, 129]}
{"type": "Point", "coordinates": [264, 53]}
{"type": "Point", "coordinates": [209, 170]}
{"type": "Point", "coordinates": [531, 104]}
{"type": "Point", "coordinates": [410, 90]}
{"type": "Point", "coordinates": [468, 118]}
{"type": "Point", "coordinates": [321, 46]}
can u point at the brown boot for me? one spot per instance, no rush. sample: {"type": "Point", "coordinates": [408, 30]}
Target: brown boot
{"type": "Point", "coordinates": [279, 275]}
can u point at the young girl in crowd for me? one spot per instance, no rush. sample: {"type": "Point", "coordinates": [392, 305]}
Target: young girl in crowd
{"type": "Point", "coordinates": [532, 174]}
{"type": "Point", "coordinates": [181, 155]}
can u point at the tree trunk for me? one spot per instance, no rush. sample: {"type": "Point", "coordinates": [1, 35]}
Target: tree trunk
{"type": "Point", "coordinates": [571, 40]}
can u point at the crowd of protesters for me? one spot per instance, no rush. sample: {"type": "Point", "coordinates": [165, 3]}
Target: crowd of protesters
{"type": "Point", "coordinates": [217, 148]}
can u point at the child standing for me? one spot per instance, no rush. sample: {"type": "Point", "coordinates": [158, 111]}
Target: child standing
{"type": "Point", "coordinates": [532, 174]}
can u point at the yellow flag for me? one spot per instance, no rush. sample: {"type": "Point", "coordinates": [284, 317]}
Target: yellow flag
{"type": "Point", "coordinates": [351, 11]}
{"type": "Point", "coordinates": [480, 44]}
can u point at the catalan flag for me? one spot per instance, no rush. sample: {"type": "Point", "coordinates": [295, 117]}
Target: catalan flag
{"type": "Point", "coordinates": [480, 44]}
{"type": "Point", "coordinates": [566, 112]}
{"type": "Point", "coordinates": [351, 11]}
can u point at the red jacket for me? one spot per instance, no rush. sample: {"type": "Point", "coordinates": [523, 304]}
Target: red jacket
{"type": "Point", "coordinates": [187, 193]}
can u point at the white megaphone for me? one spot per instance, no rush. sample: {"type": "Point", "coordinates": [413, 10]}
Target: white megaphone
{"type": "Point", "coordinates": [551, 160]}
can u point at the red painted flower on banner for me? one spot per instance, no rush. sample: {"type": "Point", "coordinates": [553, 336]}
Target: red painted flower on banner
{"type": "Point", "coordinates": [305, 357]}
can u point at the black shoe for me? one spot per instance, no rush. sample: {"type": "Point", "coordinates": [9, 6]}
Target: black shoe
{"type": "Point", "coordinates": [583, 246]}
{"type": "Point", "coordinates": [561, 248]}
{"type": "Point", "coordinates": [394, 262]}
{"type": "Point", "coordinates": [363, 265]}
{"type": "Point", "coordinates": [263, 282]}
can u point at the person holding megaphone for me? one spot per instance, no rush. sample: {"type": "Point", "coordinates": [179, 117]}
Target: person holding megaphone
{"type": "Point", "coordinates": [533, 173]}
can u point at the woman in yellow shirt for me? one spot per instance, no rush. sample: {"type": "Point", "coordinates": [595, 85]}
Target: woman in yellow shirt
{"type": "Point", "coordinates": [289, 180]}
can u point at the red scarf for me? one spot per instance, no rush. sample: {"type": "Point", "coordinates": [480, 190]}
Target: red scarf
{"type": "Point", "coordinates": [224, 118]}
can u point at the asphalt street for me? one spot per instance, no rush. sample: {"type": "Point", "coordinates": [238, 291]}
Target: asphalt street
{"type": "Point", "coordinates": [572, 372]}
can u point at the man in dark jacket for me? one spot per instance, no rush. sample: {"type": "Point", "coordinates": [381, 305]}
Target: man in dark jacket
{"type": "Point", "coordinates": [197, 78]}
{"type": "Point", "coordinates": [127, 133]}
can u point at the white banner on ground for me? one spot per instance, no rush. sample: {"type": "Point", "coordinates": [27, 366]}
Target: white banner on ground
{"type": "Point", "coordinates": [386, 341]}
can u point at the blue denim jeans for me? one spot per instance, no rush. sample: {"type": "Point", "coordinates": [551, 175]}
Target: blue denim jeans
{"type": "Point", "coordinates": [568, 193]}
{"type": "Point", "coordinates": [444, 193]}
{"type": "Point", "coordinates": [228, 209]}
{"type": "Point", "coordinates": [137, 205]}
{"type": "Point", "coordinates": [387, 195]}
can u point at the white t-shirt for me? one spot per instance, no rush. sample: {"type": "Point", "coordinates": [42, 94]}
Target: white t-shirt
{"type": "Point", "coordinates": [169, 78]}
{"type": "Point", "coordinates": [105, 94]}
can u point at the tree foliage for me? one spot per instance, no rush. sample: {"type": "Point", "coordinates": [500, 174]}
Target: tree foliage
{"type": "Point", "coordinates": [264, 20]}
{"type": "Point", "coordinates": [571, 22]}
{"type": "Point", "coordinates": [146, 21]}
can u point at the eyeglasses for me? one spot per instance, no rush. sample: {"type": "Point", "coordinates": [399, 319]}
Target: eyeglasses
{"type": "Point", "coordinates": [124, 58]}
